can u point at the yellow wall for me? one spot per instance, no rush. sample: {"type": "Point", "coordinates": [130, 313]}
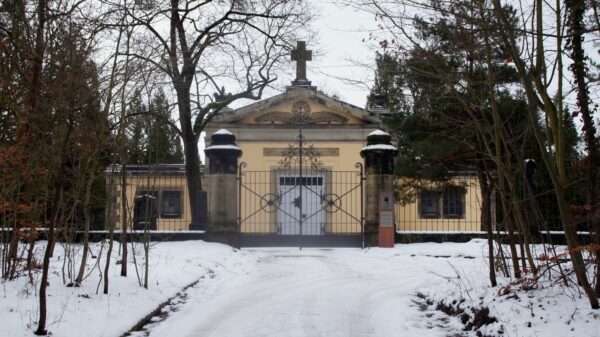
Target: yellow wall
{"type": "Point", "coordinates": [340, 176]}
{"type": "Point", "coordinates": [252, 154]}
{"type": "Point", "coordinates": [263, 182]}
{"type": "Point", "coordinates": [408, 217]}
{"type": "Point", "coordinates": [153, 183]}
{"type": "Point", "coordinates": [341, 179]}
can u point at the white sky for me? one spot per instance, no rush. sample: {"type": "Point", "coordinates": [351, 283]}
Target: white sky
{"type": "Point", "coordinates": [339, 55]}
{"type": "Point", "coordinates": [343, 57]}
{"type": "Point", "coordinates": [342, 63]}
{"type": "Point", "coordinates": [341, 52]}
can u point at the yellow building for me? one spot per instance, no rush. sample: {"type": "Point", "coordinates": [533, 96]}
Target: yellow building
{"type": "Point", "coordinates": [336, 132]}
{"type": "Point", "coordinates": [268, 133]}
{"type": "Point", "coordinates": [300, 174]}
{"type": "Point", "coordinates": [156, 197]}
{"type": "Point", "coordinates": [455, 207]}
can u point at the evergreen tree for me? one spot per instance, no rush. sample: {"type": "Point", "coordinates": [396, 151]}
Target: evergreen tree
{"type": "Point", "coordinates": [430, 144]}
{"type": "Point", "coordinates": [137, 143]}
{"type": "Point", "coordinates": [448, 124]}
{"type": "Point", "coordinates": [163, 141]}
{"type": "Point", "coordinates": [389, 83]}
{"type": "Point", "coordinates": [152, 139]}
{"type": "Point", "coordinates": [445, 78]}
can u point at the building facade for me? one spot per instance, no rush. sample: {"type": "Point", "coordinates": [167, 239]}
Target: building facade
{"type": "Point", "coordinates": [300, 173]}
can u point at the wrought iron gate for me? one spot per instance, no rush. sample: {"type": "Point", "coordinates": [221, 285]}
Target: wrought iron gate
{"type": "Point", "coordinates": [301, 206]}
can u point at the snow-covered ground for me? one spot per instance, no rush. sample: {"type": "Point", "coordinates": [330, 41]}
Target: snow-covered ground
{"type": "Point", "coordinates": [309, 292]}
{"type": "Point", "coordinates": [80, 311]}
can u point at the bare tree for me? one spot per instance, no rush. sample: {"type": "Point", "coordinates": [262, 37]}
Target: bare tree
{"type": "Point", "coordinates": [576, 28]}
{"type": "Point", "coordinates": [212, 54]}
{"type": "Point", "coordinates": [533, 80]}
{"type": "Point", "coordinates": [528, 42]}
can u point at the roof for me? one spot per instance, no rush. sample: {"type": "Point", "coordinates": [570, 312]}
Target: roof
{"type": "Point", "coordinates": [292, 94]}
{"type": "Point", "coordinates": [150, 169]}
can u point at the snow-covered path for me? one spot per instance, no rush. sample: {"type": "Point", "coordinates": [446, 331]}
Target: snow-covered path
{"type": "Point", "coordinates": [314, 292]}
{"type": "Point", "coordinates": [291, 293]}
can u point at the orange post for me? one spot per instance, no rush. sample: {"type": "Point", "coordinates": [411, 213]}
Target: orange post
{"type": "Point", "coordinates": [387, 229]}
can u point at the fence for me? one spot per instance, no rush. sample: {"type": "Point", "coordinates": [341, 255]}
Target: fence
{"type": "Point", "coordinates": [156, 197]}
{"type": "Point", "coordinates": [430, 208]}
{"type": "Point", "coordinates": [311, 202]}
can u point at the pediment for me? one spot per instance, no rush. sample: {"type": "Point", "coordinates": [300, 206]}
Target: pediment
{"type": "Point", "coordinates": [314, 107]}
{"type": "Point", "coordinates": [289, 117]}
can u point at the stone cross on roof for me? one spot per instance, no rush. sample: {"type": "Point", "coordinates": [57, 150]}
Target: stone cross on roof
{"type": "Point", "coordinates": [301, 55]}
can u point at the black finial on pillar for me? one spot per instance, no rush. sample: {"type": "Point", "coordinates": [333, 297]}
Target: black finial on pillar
{"type": "Point", "coordinates": [379, 153]}
{"type": "Point", "coordinates": [222, 153]}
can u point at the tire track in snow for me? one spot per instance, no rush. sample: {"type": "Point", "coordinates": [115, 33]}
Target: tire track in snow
{"type": "Point", "coordinates": [310, 293]}
{"type": "Point", "coordinates": [256, 298]}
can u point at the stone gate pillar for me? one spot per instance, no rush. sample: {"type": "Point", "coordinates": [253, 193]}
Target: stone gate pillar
{"type": "Point", "coordinates": [222, 188]}
{"type": "Point", "coordinates": [379, 166]}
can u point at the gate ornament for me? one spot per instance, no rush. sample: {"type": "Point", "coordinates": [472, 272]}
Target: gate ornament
{"type": "Point", "coordinates": [298, 202]}
{"type": "Point", "coordinates": [298, 153]}
{"type": "Point", "coordinates": [332, 202]}
{"type": "Point", "coordinates": [270, 202]}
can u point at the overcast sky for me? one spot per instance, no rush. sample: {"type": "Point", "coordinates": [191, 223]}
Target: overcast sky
{"type": "Point", "coordinates": [342, 52]}
{"type": "Point", "coordinates": [339, 54]}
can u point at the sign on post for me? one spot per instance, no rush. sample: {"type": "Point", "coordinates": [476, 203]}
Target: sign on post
{"type": "Point", "coordinates": [386, 219]}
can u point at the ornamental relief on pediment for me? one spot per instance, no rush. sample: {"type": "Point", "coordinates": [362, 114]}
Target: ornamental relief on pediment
{"type": "Point", "coordinates": [301, 108]}
{"type": "Point", "coordinates": [320, 117]}
{"type": "Point", "coordinates": [274, 117]}
{"type": "Point", "coordinates": [324, 117]}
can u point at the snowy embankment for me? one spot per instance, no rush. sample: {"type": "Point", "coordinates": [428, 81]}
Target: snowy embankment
{"type": "Point", "coordinates": [81, 311]}
{"type": "Point", "coordinates": [425, 290]}
{"type": "Point", "coordinates": [531, 306]}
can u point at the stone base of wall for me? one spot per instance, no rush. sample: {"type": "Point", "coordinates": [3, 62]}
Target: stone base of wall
{"type": "Point", "coordinates": [235, 239]}
{"type": "Point", "coordinates": [406, 237]}
{"type": "Point", "coordinates": [556, 238]}
{"type": "Point", "coordinates": [371, 234]}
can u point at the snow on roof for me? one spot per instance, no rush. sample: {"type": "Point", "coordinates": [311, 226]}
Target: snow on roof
{"type": "Point", "coordinates": [379, 133]}
{"type": "Point", "coordinates": [379, 147]}
{"type": "Point", "coordinates": [223, 132]}
{"type": "Point", "coordinates": [222, 147]}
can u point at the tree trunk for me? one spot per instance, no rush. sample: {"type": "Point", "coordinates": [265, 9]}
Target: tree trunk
{"type": "Point", "coordinates": [576, 10]}
{"type": "Point", "coordinates": [530, 205]}
{"type": "Point", "coordinates": [107, 263]}
{"type": "Point", "coordinates": [146, 256]}
{"type": "Point", "coordinates": [498, 156]}
{"type": "Point", "coordinates": [57, 205]}
{"type": "Point", "coordinates": [190, 148]}
{"type": "Point", "coordinates": [41, 328]}
{"type": "Point", "coordinates": [555, 166]}
{"type": "Point", "coordinates": [124, 158]}
{"type": "Point", "coordinates": [87, 218]}
{"type": "Point", "coordinates": [57, 201]}
{"type": "Point", "coordinates": [511, 241]}
{"type": "Point", "coordinates": [194, 185]}
{"type": "Point", "coordinates": [124, 218]}
{"type": "Point", "coordinates": [13, 250]}
{"type": "Point", "coordinates": [486, 218]}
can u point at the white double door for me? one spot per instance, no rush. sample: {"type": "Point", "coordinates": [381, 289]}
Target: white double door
{"type": "Point", "coordinates": [300, 210]}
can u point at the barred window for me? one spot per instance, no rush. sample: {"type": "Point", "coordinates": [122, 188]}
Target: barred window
{"type": "Point", "coordinates": [454, 200]}
{"type": "Point", "coordinates": [145, 210]}
{"type": "Point", "coordinates": [429, 203]}
{"type": "Point", "coordinates": [171, 204]}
